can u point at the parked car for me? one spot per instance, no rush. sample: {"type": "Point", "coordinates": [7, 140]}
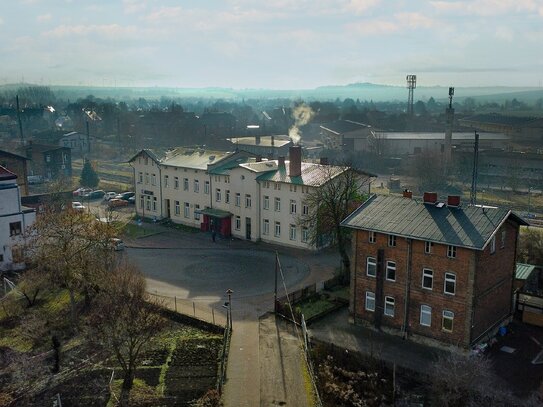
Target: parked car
{"type": "Point", "coordinates": [125, 195]}
{"type": "Point", "coordinates": [116, 202]}
{"type": "Point", "coordinates": [110, 195]}
{"type": "Point", "coordinates": [81, 191]}
{"type": "Point", "coordinates": [99, 193]}
{"type": "Point", "coordinates": [78, 206]}
{"type": "Point", "coordinates": [117, 244]}
{"type": "Point", "coordinates": [132, 200]}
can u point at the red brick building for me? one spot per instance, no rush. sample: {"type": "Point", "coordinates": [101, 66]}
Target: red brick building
{"type": "Point", "coordinates": [436, 270]}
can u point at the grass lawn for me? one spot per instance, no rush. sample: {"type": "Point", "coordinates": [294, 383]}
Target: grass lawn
{"type": "Point", "coordinates": [314, 306]}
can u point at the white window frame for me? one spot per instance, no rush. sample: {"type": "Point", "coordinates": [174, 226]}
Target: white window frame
{"type": "Point", "coordinates": [305, 234]}
{"type": "Point", "coordinates": [391, 240]}
{"type": "Point", "coordinates": [140, 178]}
{"type": "Point", "coordinates": [277, 204]}
{"type": "Point", "coordinates": [292, 232]}
{"type": "Point", "coordinates": [237, 224]}
{"type": "Point", "coordinates": [369, 304]}
{"type": "Point", "coordinates": [449, 278]}
{"type": "Point", "coordinates": [196, 186]}
{"type": "Point", "coordinates": [196, 214]}
{"type": "Point", "coordinates": [177, 208]}
{"type": "Point", "coordinates": [371, 261]}
{"type": "Point", "coordinates": [166, 179]}
{"type": "Point", "coordinates": [238, 199]}
{"type": "Point", "coordinates": [176, 182]}
{"type": "Point", "coordinates": [266, 227]}
{"type": "Point", "coordinates": [427, 273]}
{"type": "Point", "coordinates": [154, 203]}
{"type": "Point", "coordinates": [428, 246]}
{"type": "Point", "coordinates": [218, 196]}
{"type": "Point", "coordinates": [186, 210]}
{"type": "Point", "coordinates": [153, 179]}
{"type": "Point", "coordinates": [266, 202]}
{"type": "Point", "coordinates": [451, 252]}
{"type": "Point", "coordinates": [227, 196]}
{"type": "Point", "coordinates": [277, 230]}
{"type": "Point", "coordinates": [372, 238]}
{"type": "Point", "coordinates": [248, 201]}
{"type": "Point", "coordinates": [391, 266]}
{"type": "Point", "coordinates": [390, 304]}
{"type": "Point", "coordinates": [186, 184]}
{"type": "Point", "coordinates": [293, 206]}
{"type": "Point", "coordinates": [449, 316]}
{"type": "Point", "coordinates": [146, 178]}
{"type": "Point", "coordinates": [425, 315]}
{"type": "Point", "coordinates": [206, 188]}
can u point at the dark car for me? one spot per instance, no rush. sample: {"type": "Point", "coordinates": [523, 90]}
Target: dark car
{"type": "Point", "coordinates": [125, 195]}
{"type": "Point", "coordinates": [98, 194]}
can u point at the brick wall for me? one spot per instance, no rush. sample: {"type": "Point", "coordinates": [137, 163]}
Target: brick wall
{"type": "Point", "coordinates": [493, 281]}
{"type": "Point", "coordinates": [18, 167]}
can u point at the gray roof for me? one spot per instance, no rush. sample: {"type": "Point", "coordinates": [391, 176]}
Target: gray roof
{"type": "Point", "coordinates": [193, 158]}
{"type": "Point", "coordinates": [312, 174]}
{"type": "Point", "coordinates": [466, 226]}
{"type": "Point", "coordinates": [265, 141]}
{"type": "Point", "coordinates": [439, 136]}
{"type": "Point", "coordinates": [344, 126]}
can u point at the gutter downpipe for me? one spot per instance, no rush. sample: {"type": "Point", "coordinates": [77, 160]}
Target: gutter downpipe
{"type": "Point", "coordinates": [407, 288]}
{"type": "Point", "coordinates": [354, 274]}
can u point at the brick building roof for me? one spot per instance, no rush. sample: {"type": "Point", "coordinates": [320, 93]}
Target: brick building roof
{"type": "Point", "coordinates": [466, 226]}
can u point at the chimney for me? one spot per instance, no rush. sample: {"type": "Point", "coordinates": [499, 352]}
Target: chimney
{"type": "Point", "coordinates": [407, 193]}
{"type": "Point", "coordinates": [257, 140]}
{"type": "Point", "coordinates": [258, 158]}
{"type": "Point", "coordinates": [453, 201]}
{"type": "Point", "coordinates": [272, 140]}
{"type": "Point", "coordinates": [295, 164]}
{"type": "Point", "coordinates": [430, 197]}
{"type": "Point", "coordinates": [281, 163]}
{"type": "Point", "coordinates": [324, 161]}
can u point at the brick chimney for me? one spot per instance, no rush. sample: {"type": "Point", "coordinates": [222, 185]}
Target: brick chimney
{"type": "Point", "coordinates": [407, 193]}
{"type": "Point", "coordinates": [324, 161]}
{"type": "Point", "coordinates": [430, 197]}
{"type": "Point", "coordinates": [272, 140]}
{"type": "Point", "coordinates": [295, 164]}
{"type": "Point", "coordinates": [257, 140]}
{"type": "Point", "coordinates": [281, 163]}
{"type": "Point", "coordinates": [258, 158]}
{"type": "Point", "coordinates": [453, 201]}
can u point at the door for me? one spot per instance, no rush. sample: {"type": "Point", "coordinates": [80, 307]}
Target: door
{"type": "Point", "coordinates": [248, 228]}
{"type": "Point", "coordinates": [168, 215]}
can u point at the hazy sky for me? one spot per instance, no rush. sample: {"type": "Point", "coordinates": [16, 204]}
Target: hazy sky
{"type": "Point", "coordinates": [277, 44]}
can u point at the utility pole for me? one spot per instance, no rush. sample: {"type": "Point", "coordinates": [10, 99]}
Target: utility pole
{"type": "Point", "coordinates": [448, 133]}
{"type": "Point", "coordinates": [19, 120]}
{"type": "Point", "coordinates": [275, 290]}
{"type": "Point", "coordinates": [473, 194]}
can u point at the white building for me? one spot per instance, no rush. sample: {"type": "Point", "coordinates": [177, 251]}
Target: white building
{"type": "Point", "coordinates": [14, 219]}
{"type": "Point", "coordinates": [232, 193]}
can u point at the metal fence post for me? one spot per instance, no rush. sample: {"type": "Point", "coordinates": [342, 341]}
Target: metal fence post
{"type": "Point", "coordinates": [213, 315]}
{"type": "Point", "coordinates": [194, 308]}
{"type": "Point", "coordinates": [175, 302]}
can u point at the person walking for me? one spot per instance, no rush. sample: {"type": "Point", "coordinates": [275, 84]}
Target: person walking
{"type": "Point", "coordinates": [213, 234]}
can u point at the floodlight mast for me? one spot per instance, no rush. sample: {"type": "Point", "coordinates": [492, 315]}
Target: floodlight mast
{"type": "Point", "coordinates": [411, 85]}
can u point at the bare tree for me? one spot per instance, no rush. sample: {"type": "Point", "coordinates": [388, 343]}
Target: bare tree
{"type": "Point", "coordinates": [32, 283]}
{"type": "Point", "coordinates": [330, 203]}
{"type": "Point", "coordinates": [123, 320]}
{"type": "Point", "coordinates": [530, 246]}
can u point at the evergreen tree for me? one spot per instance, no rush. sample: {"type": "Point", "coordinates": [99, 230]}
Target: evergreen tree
{"type": "Point", "coordinates": [89, 178]}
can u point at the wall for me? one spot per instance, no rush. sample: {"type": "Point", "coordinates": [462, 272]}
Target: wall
{"type": "Point", "coordinates": [18, 167]}
{"type": "Point", "coordinates": [147, 167]}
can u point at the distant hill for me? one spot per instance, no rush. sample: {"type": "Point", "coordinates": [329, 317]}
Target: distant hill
{"type": "Point", "coordinates": [363, 91]}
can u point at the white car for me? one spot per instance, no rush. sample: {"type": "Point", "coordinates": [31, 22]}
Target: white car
{"type": "Point", "coordinates": [109, 195]}
{"type": "Point", "coordinates": [78, 206]}
{"type": "Point", "coordinates": [117, 244]}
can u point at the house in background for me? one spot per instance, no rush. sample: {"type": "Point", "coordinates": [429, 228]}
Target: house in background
{"type": "Point", "coordinates": [345, 135]}
{"type": "Point", "coordinates": [14, 219]}
{"type": "Point", "coordinates": [79, 143]}
{"type": "Point", "coordinates": [17, 164]}
{"type": "Point", "coordinates": [263, 146]}
{"type": "Point", "coordinates": [529, 293]}
{"type": "Point", "coordinates": [48, 161]}
{"type": "Point", "coordinates": [434, 271]}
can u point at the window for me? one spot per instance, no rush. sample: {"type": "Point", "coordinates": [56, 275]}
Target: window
{"type": "Point", "coordinates": [176, 182]}
{"type": "Point", "coordinates": [428, 247]}
{"type": "Point", "coordinates": [141, 202]}
{"type": "Point", "coordinates": [186, 184]}
{"type": "Point", "coordinates": [266, 202]}
{"type": "Point", "coordinates": [277, 229]}
{"type": "Point", "coordinates": [371, 237]}
{"type": "Point", "coordinates": [292, 206]}
{"type": "Point", "coordinates": [196, 186]}
{"type": "Point", "coordinates": [277, 186]}
{"type": "Point", "coordinates": [227, 179]}
{"type": "Point", "coordinates": [153, 179]}
{"type": "Point", "coordinates": [48, 158]}
{"type": "Point", "coordinates": [427, 279]}
{"type": "Point", "coordinates": [238, 199]}
{"type": "Point", "coordinates": [206, 188]}
{"type": "Point", "coordinates": [186, 210]}
{"type": "Point", "coordinates": [247, 200]}
{"type": "Point", "coordinates": [154, 203]}
{"type": "Point", "coordinates": [389, 306]}
{"type": "Point", "coordinates": [177, 208]}
{"type": "Point", "coordinates": [493, 245]}
{"type": "Point", "coordinates": [451, 252]}
{"type": "Point", "coordinates": [292, 232]}
{"type": "Point", "coordinates": [425, 315]}
{"type": "Point", "coordinates": [140, 178]}
{"type": "Point", "coordinates": [166, 181]}
{"type": "Point", "coordinates": [148, 203]}
{"type": "Point", "coordinates": [266, 228]}
{"type": "Point", "coordinates": [238, 223]}
{"type": "Point", "coordinates": [305, 210]}
{"type": "Point", "coordinates": [448, 320]}
{"type": "Point", "coordinates": [292, 188]}
{"type": "Point", "coordinates": [227, 196]}
{"type": "Point", "coordinates": [15, 228]}
{"type": "Point", "coordinates": [277, 204]}
{"type": "Point", "coordinates": [392, 240]}
{"type": "Point", "coordinates": [450, 284]}
{"type": "Point", "coordinates": [502, 244]}
{"type": "Point", "coordinates": [370, 301]}
{"type": "Point", "coordinates": [196, 214]}
{"type": "Point", "coordinates": [371, 267]}
{"type": "Point", "coordinates": [146, 178]}
{"type": "Point", "coordinates": [391, 271]}
{"type": "Point", "coordinates": [305, 234]}
{"type": "Point", "coordinates": [218, 195]}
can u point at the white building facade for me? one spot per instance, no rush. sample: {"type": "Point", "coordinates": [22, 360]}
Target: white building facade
{"type": "Point", "coordinates": [14, 219]}
{"type": "Point", "coordinates": [234, 194]}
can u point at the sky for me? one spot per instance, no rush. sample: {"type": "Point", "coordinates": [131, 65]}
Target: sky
{"type": "Point", "coordinates": [271, 44]}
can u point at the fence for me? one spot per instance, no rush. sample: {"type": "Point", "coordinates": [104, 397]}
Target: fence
{"type": "Point", "coordinates": [203, 310]}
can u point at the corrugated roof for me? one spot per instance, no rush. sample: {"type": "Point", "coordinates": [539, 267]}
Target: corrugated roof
{"type": "Point", "coordinates": [344, 126]}
{"type": "Point", "coordinates": [523, 271]}
{"type": "Point", "coordinates": [468, 226]}
{"type": "Point", "coordinates": [193, 158]}
{"type": "Point", "coordinates": [265, 141]}
{"type": "Point", "coordinates": [154, 156]}
{"type": "Point", "coordinates": [439, 136]}
{"type": "Point", "coordinates": [312, 174]}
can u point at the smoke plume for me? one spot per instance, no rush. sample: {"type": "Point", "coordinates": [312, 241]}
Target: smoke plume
{"type": "Point", "coordinates": [301, 114]}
